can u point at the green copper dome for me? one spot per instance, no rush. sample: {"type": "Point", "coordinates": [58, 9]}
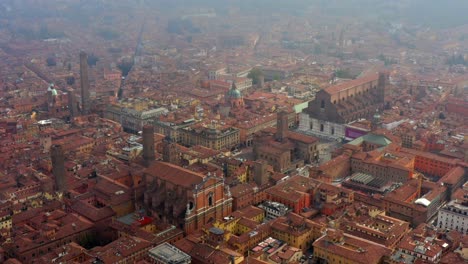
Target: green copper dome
{"type": "Point", "coordinates": [377, 115]}
{"type": "Point", "coordinates": [234, 93]}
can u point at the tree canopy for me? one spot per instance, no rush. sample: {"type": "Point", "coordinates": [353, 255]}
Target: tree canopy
{"type": "Point", "coordinates": [344, 74]}
{"type": "Point", "coordinates": [125, 66]}
{"type": "Point", "coordinates": [92, 60]}
{"type": "Point", "coordinates": [456, 60]}
{"type": "Point", "coordinates": [179, 26]}
{"type": "Point", "coordinates": [255, 74]}
{"type": "Point", "coordinates": [108, 34]}
{"type": "Point", "coordinates": [51, 61]}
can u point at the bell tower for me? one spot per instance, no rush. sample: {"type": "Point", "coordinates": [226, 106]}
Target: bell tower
{"type": "Point", "coordinates": [170, 151]}
{"type": "Point", "coordinates": [58, 167]}
{"type": "Point", "coordinates": [148, 145]}
{"type": "Point", "coordinates": [282, 125]}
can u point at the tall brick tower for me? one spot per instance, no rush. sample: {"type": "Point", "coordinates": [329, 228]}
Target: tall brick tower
{"type": "Point", "coordinates": [85, 104]}
{"type": "Point", "coordinates": [170, 151]}
{"type": "Point", "coordinates": [381, 83]}
{"type": "Point", "coordinates": [282, 125]}
{"type": "Point", "coordinates": [72, 103]}
{"type": "Point", "coordinates": [260, 173]}
{"type": "Point", "coordinates": [261, 81]}
{"type": "Point", "coordinates": [148, 145]}
{"type": "Point", "coordinates": [58, 167]}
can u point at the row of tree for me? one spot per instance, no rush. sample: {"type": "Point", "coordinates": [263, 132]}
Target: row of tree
{"type": "Point", "coordinates": [42, 33]}
{"type": "Point", "coordinates": [92, 61]}
{"type": "Point", "coordinates": [457, 60]}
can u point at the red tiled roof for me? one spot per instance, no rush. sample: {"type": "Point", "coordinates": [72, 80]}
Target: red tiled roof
{"type": "Point", "coordinates": [12, 261]}
{"type": "Point", "coordinates": [174, 174]}
{"type": "Point", "coordinates": [301, 137]}
{"type": "Point", "coordinates": [350, 84]}
{"type": "Point", "coordinates": [92, 213]}
{"type": "Point", "coordinates": [241, 189]}
{"type": "Point", "coordinates": [453, 175]}
{"type": "Point", "coordinates": [120, 249]}
{"type": "Point", "coordinates": [429, 155]}
{"type": "Point", "coordinates": [353, 248]}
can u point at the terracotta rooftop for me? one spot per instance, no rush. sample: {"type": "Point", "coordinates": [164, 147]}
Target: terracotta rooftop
{"type": "Point", "coordinates": [251, 260]}
{"type": "Point", "coordinates": [174, 174]}
{"type": "Point", "coordinates": [12, 261]}
{"type": "Point", "coordinates": [241, 189]}
{"type": "Point", "coordinates": [351, 248]}
{"type": "Point", "coordinates": [294, 188]}
{"type": "Point", "coordinates": [331, 164]}
{"type": "Point", "coordinates": [92, 213]}
{"type": "Point", "coordinates": [249, 212]}
{"type": "Point", "coordinates": [429, 155]}
{"type": "Point", "coordinates": [404, 192]}
{"type": "Point", "coordinates": [351, 84]}
{"type": "Point", "coordinates": [422, 241]}
{"type": "Point", "coordinates": [64, 225]}
{"type": "Point", "coordinates": [203, 252]}
{"type": "Point", "coordinates": [453, 175]}
{"type": "Point", "coordinates": [120, 249]}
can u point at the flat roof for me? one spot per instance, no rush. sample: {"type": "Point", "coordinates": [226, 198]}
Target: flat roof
{"type": "Point", "coordinates": [168, 253]}
{"type": "Point", "coordinates": [372, 138]}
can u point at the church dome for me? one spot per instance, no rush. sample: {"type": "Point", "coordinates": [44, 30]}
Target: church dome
{"type": "Point", "coordinates": [377, 116]}
{"type": "Point", "coordinates": [234, 97]}
{"type": "Point", "coordinates": [234, 94]}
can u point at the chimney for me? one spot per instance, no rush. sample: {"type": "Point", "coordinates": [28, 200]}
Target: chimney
{"type": "Point", "coordinates": [58, 167]}
{"type": "Point", "coordinates": [260, 172]}
{"type": "Point", "coordinates": [148, 144]}
{"type": "Point", "coordinates": [282, 125]}
{"type": "Point", "coordinates": [84, 83]}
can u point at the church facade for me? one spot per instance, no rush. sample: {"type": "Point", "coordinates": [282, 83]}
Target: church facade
{"type": "Point", "coordinates": [338, 105]}
{"type": "Point", "coordinates": [184, 198]}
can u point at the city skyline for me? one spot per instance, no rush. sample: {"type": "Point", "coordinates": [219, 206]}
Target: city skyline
{"type": "Point", "coordinates": [158, 131]}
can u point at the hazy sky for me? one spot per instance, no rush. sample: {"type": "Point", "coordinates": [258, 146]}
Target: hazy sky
{"type": "Point", "coordinates": [434, 13]}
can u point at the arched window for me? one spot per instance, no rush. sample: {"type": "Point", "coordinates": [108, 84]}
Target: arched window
{"type": "Point", "coordinates": [321, 127]}
{"type": "Point", "coordinates": [322, 104]}
{"type": "Point", "coordinates": [210, 199]}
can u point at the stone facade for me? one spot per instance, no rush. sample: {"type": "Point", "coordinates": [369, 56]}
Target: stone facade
{"type": "Point", "coordinates": [340, 104]}
{"type": "Point", "coordinates": [454, 216]}
{"type": "Point", "coordinates": [185, 198]}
